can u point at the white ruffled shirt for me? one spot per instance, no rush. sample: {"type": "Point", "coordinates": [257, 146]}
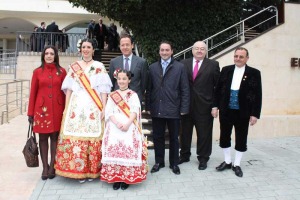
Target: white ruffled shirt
{"type": "Point", "coordinates": [99, 81]}
{"type": "Point", "coordinates": [237, 77]}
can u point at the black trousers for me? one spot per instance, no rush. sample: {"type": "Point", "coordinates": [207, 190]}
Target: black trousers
{"type": "Point", "coordinates": [159, 127]}
{"type": "Point", "coordinates": [204, 126]}
{"type": "Point", "coordinates": [227, 122]}
{"type": "Point", "coordinates": [100, 40]}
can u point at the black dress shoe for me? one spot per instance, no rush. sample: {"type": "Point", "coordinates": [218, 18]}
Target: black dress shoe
{"type": "Point", "coordinates": [223, 166]}
{"type": "Point", "coordinates": [44, 177]}
{"type": "Point", "coordinates": [156, 167]}
{"type": "Point", "coordinates": [238, 171]}
{"type": "Point", "coordinates": [51, 175]}
{"type": "Point", "coordinates": [181, 160]}
{"type": "Point", "coordinates": [175, 169]}
{"type": "Point", "coordinates": [124, 186]}
{"type": "Point", "coordinates": [116, 185]}
{"type": "Point", "coordinates": [202, 165]}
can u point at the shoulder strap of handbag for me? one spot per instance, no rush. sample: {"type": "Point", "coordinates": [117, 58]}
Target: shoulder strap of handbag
{"type": "Point", "coordinates": [30, 132]}
{"type": "Point", "coordinates": [84, 80]}
{"type": "Point", "coordinates": [119, 101]}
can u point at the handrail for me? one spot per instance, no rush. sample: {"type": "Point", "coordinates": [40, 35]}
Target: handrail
{"type": "Point", "coordinates": [240, 24]}
{"type": "Point", "coordinates": [13, 98]}
{"type": "Point", "coordinates": [27, 41]}
{"type": "Point", "coordinates": [8, 62]}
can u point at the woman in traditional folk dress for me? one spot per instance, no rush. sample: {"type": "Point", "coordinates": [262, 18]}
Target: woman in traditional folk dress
{"type": "Point", "coordinates": [46, 106]}
{"type": "Point", "coordinates": [86, 86]}
{"type": "Point", "coordinates": [124, 149]}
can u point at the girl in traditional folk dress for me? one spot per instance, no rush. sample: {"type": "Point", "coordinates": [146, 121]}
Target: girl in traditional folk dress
{"type": "Point", "coordinates": [86, 86]}
{"type": "Point", "coordinates": [46, 106]}
{"type": "Point", "coordinates": [124, 149]}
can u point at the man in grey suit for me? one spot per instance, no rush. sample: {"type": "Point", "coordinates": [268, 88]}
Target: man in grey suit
{"type": "Point", "coordinates": [136, 65]}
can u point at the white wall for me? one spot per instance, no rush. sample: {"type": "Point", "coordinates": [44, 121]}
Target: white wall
{"type": "Point", "coordinates": [271, 54]}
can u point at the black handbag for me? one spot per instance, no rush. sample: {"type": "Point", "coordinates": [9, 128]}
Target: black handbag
{"type": "Point", "coordinates": [30, 149]}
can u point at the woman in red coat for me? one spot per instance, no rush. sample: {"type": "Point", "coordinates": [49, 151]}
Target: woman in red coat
{"type": "Point", "coordinates": [46, 106]}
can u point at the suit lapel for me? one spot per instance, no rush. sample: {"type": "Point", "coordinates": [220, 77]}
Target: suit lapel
{"type": "Point", "coordinates": [245, 77]}
{"type": "Point", "coordinates": [202, 67]}
{"type": "Point", "coordinates": [190, 69]}
{"type": "Point", "coordinates": [133, 63]}
{"type": "Point", "coordinates": [119, 63]}
{"type": "Point", "coordinates": [230, 77]}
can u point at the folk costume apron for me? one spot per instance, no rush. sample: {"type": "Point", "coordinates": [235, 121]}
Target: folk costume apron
{"type": "Point", "coordinates": [124, 154]}
{"type": "Point", "coordinates": [79, 146]}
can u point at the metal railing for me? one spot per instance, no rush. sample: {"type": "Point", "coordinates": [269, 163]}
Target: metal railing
{"type": "Point", "coordinates": [236, 33]}
{"type": "Point", "coordinates": [35, 41]}
{"type": "Point", "coordinates": [8, 62]}
{"type": "Point", "coordinates": [13, 98]}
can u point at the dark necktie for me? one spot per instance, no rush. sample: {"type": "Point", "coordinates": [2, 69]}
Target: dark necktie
{"type": "Point", "coordinates": [126, 64]}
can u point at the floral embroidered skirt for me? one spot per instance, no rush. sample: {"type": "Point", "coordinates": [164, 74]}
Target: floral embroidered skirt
{"type": "Point", "coordinates": [78, 159]}
{"type": "Point", "coordinates": [129, 174]}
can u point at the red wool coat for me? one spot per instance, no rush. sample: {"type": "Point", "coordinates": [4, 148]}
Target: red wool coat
{"type": "Point", "coordinates": [47, 100]}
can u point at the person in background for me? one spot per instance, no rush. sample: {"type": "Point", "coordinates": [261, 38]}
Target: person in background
{"type": "Point", "coordinates": [52, 36]}
{"type": "Point", "coordinates": [100, 33]}
{"type": "Point", "coordinates": [33, 40]}
{"type": "Point", "coordinates": [238, 97]}
{"type": "Point", "coordinates": [90, 29]}
{"type": "Point", "coordinates": [113, 38]}
{"type": "Point", "coordinates": [124, 149]}
{"type": "Point", "coordinates": [203, 75]}
{"type": "Point", "coordinates": [46, 106]}
{"type": "Point", "coordinates": [167, 99]}
{"type": "Point", "coordinates": [64, 40]}
{"type": "Point", "coordinates": [41, 37]}
{"type": "Point", "coordinates": [86, 87]}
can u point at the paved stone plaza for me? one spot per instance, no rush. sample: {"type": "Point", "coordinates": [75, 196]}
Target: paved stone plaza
{"type": "Point", "coordinates": [271, 172]}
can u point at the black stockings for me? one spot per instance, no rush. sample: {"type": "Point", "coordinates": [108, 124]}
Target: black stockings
{"type": "Point", "coordinates": [44, 146]}
{"type": "Point", "coordinates": [53, 146]}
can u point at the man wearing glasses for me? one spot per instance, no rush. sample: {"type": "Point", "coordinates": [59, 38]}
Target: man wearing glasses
{"type": "Point", "coordinates": [238, 96]}
{"type": "Point", "coordinates": [203, 75]}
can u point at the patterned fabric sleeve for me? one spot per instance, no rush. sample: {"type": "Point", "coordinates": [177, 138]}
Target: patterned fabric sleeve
{"type": "Point", "coordinates": [134, 103]}
{"type": "Point", "coordinates": [70, 83]}
{"type": "Point", "coordinates": [100, 80]}
{"type": "Point", "coordinates": [109, 109]}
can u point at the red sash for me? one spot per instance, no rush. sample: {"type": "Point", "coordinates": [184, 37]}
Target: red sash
{"type": "Point", "coordinates": [119, 101]}
{"type": "Point", "coordinates": [86, 84]}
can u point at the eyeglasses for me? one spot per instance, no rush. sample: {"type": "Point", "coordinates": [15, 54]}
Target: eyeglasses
{"type": "Point", "coordinates": [199, 48]}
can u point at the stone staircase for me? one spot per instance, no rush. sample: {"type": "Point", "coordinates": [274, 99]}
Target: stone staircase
{"type": "Point", "coordinates": [105, 57]}
{"type": "Point", "coordinates": [147, 130]}
{"type": "Point", "coordinates": [250, 34]}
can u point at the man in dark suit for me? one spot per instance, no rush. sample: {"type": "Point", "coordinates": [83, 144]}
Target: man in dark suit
{"type": "Point", "coordinates": [41, 37]}
{"type": "Point", "coordinates": [52, 30]}
{"type": "Point", "coordinates": [238, 96]}
{"type": "Point", "coordinates": [90, 29]}
{"type": "Point", "coordinates": [168, 99]}
{"type": "Point", "coordinates": [136, 65]}
{"type": "Point", "coordinates": [100, 32]}
{"type": "Point", "coordinates": [203, 75]}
